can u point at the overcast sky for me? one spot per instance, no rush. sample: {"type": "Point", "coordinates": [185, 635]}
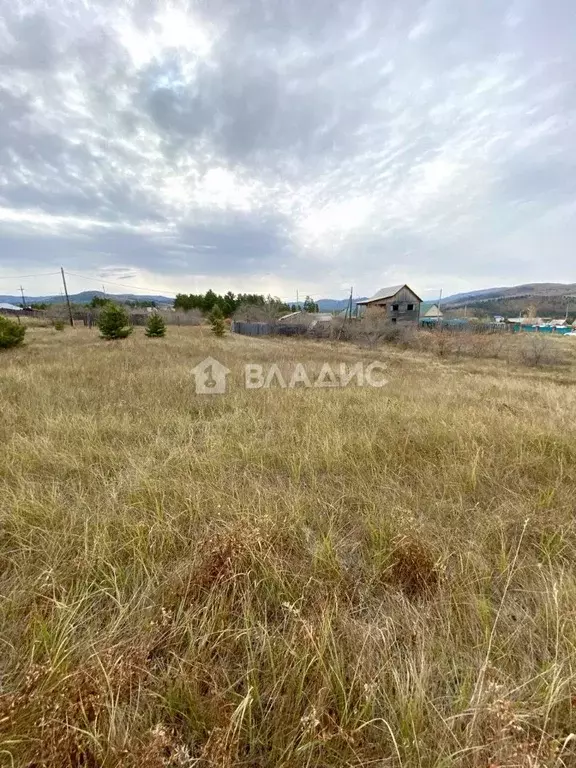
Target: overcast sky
{"type": "Point", "coordinates": [283, 145]}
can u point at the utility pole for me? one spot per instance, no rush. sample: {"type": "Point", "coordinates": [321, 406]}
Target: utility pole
{"type": "Point", "coordinates": [297, 301]}
{"type": "Point", "coordinates": [67, 297]}
{"type": "Point", "coordinates": [439, 309]}
{"type": "Point", "coordinates": [23, 299]}
{"type": "Point", "coordinates": [350, 303]}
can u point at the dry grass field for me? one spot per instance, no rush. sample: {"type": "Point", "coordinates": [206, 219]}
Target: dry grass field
{"type": "Point", "coordinates": [311, 578]}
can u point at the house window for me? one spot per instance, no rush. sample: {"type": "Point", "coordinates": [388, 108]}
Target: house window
{"type": "Point", "coordinates": [395, 307]}
{"type": "Point", "coordinates": [410, 307]}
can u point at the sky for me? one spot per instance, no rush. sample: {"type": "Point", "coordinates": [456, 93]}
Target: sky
{"type": "Point", "coordinates": [276, 146]}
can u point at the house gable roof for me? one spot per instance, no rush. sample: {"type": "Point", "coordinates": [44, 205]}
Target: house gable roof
{"type": "Point", "coordinates": [290, 315]}
{"type": "Point", "coordinates": [430, 308]}
{"type": "Point", "coordinates": [387, 293]}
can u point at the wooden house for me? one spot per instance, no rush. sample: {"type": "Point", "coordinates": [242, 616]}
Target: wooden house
{"type": "Point", "coordinates": [397, 303]}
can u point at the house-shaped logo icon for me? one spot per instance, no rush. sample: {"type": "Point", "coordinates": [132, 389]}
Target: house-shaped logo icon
{"type": "Point", "coordinates": [210, 377]}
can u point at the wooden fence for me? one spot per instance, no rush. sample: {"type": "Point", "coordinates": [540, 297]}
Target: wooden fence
{"type": "Point", "coordinates": [267, 329]}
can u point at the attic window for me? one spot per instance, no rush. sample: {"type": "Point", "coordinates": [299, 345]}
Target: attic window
{"type": "Point", "coordinates": [395, 307]}
{"type": "Point", "coordinates": [410, 307]}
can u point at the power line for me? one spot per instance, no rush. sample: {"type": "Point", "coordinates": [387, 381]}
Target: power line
{"type": "Point", "coordinates": [160, 290]}
{"type": "Point", "coordinates": [24, 277]}
{"type": "Point", "coordinates": [118, 285]}
{"type": "Point", "coordinates": [124, 285]}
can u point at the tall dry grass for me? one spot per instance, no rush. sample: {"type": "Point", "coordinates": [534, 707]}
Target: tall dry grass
{"type": "Point", "coordinates": [283, 578]}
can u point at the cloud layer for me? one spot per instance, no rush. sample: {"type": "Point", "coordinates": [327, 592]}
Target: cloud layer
{"type": "Point", "coordinates": [283, 144]}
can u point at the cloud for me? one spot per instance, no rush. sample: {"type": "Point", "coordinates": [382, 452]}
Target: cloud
{"type": "Point", "coordinates": [288, 145]}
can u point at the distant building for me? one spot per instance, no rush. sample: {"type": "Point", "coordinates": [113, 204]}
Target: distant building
{"type": "Point", "coordinates": [9, 307]}
{"type": "Point", "coordinates": [431, 310]}
{"type": "Point", "coordinates": [525, 320]}
{"type": "Point", "coordinates": [308, 319]}
{"type": "Point", "coordinates": [397, 303]}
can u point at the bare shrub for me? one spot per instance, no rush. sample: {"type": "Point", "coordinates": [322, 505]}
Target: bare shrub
{"type": "Point", "coordinates": [190, 317]}
{"type": "Point", "coordinates": [342, 329]}
{"type": "Point", "coordinates": [373, 330]}
{"type": "Point", "coordinates": [537, 350]}
{"type": "Point", "coordinates": [534, 350]}
{"type": "Point", "coordinates": [407, 336]}
{"type": "Point", "coordinates": [256, 313]}
{"type": "Point", "coordinates": [475, 343]}
{"type": "Point", "coordinates": [491, 344]}
{"type": "Point", "coordinates": [443, 343]}
{"type": "Point", "coordinates": [321, 329]}
{"type": "Point", "coordinates": [453, 343]}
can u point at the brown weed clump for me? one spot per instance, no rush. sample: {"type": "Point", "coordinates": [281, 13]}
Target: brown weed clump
{"type": "Point", "coordinates": [413, 568]}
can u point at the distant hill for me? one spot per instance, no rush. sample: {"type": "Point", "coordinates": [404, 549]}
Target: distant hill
{"type": "Point", "coordinates": [544, 299]}
{"type": "Point", "coordinates": [85, 297]}
{"type": "Point", "coordinates": [548, 299]}
{"type": "Point", "coordinates": [533, 290]}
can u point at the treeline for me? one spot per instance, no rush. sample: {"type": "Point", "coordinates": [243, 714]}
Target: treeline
{"type": "Point", "coordinates": [230, 302]}
{"type": "Point", "coordinates": [206, 302]}
{"type": "Point", "coordinates": [103, 301]}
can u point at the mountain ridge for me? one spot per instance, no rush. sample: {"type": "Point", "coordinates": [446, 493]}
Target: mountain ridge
{"type": "Point", "coordinates": [523, 290]}
{"type": "Point", "coordinates": [84, 297]}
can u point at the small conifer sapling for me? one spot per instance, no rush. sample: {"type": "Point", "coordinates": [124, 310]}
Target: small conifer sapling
{"type": "Point", "coordinates": [156, 326]}
{"type": "Point", "coordinates": [217, 323]}
{"type": "Point", "coordinates": [114, 322]}
{"type": "Point", "coordinates": [11, 333]}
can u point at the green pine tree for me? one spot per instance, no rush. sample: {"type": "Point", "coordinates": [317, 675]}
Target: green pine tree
{"type": "Point", "coordinates": [155, 327]}
{"type": "Point", "coordinates": [217, 323]}
{"type": "Point", "coordinates": [11, 333]}
{"type": "Point", "coordinates": [309, 305]}
{"type": "Point", "coordinates": [114, 322]}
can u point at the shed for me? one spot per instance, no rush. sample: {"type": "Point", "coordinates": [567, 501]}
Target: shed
{"type": "Point", "coordinates": [308, 319]}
